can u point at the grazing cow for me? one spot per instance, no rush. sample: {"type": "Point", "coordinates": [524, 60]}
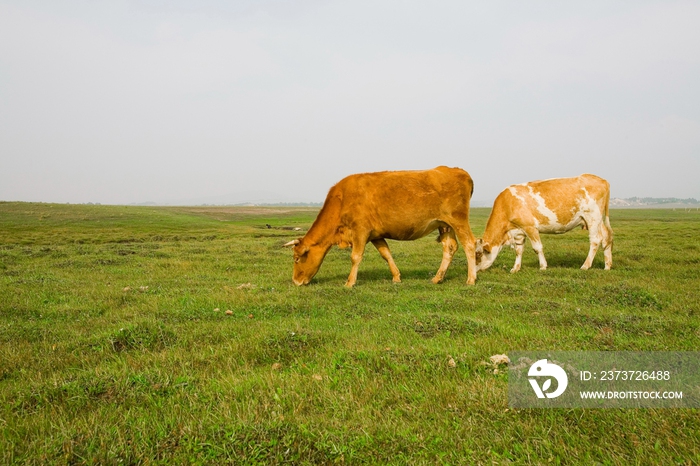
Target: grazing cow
{"type": "Point", "coordinates": [399, 205]}
{"type": "Point", "coordinates": [550, 206]}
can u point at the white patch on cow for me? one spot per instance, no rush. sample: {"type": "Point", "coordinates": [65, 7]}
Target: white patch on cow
{"type": "Point", "coordinates": [585, 202]}
{"type": "Point", "coordinates": [553, 221]}
{"type": "Point", "coordinates": [515, 194]}
{"type": "Point", "coordinates": [588, 207]}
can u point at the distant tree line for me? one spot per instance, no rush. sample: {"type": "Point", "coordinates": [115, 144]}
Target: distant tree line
{"type": "Point", "coordinates": [661, 200]}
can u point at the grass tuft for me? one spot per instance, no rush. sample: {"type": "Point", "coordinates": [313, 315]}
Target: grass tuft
{"type": "Point", "coordinates": [143, 336]}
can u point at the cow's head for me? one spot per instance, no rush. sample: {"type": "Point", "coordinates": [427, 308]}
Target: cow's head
{"type": "Point", "coordinates": [307, 260]}
{"type": "Point", "coordinates": [485, 254]}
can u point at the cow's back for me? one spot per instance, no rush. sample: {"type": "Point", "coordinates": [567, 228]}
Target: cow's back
{"type": "Point", "coordinates": [402, 204]}
{"type": "Point", "coordinates": [394, 193]}
{"type": "Point", "coordinates": [554, 204]}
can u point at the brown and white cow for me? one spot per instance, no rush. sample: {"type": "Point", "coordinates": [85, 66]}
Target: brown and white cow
{"type": "Point", "coordinates": [399, 205]}
{"type": "Point", "coordinates": [551, 206]}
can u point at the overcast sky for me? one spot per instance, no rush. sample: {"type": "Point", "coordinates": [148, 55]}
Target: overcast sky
{"type": "Point", "coordinates": [175, 101]}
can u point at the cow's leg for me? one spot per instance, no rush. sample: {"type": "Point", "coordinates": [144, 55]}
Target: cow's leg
{"type": "Point", "coordinates": [449, 247]}
{"type": "Point", "coordinates": [358, 250]}
{"type": "Point", "coordinates": [607, 243]}
{"type": "Point", "coordinates": [383, 249]}
{"type": "Point", "coordinates": [466, 237]}
{"type": "Point", "coordinates": [595, 235]}
{"type": "Point", "coordinates": [519, 245]}
{"type": "Point", "coordinates": [534, 237]}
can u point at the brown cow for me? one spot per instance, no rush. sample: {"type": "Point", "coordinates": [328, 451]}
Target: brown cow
{"type": "Point", "coordinates": [399, 205]}
{"type": "Point", "coordinates": [550, 206]}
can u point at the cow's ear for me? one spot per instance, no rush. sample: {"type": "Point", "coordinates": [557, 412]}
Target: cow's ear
{"type": "Point", "coordinates": [487, 248]}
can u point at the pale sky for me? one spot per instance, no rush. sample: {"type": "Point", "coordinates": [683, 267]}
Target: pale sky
{"type": "Point", "coordinates": [124, 102]}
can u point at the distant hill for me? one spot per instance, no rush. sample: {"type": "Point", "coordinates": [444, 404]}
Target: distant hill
{"type": "Point", "coordinates": [654, 202]}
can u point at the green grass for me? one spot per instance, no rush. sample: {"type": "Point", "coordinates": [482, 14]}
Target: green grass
{"type": "Point", "coordinates": [112, 349]}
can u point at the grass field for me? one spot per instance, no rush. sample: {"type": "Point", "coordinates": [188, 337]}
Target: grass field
{"type": "Point", "coordinates": [116, 346]}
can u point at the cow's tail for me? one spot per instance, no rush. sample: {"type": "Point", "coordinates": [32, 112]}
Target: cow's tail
{"type": "Point", "coordinates": [607, 207]}
{"type": "Point", "coordinates": [606, 220]}
{"type": "Point", "coordinates": [607, 232]}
